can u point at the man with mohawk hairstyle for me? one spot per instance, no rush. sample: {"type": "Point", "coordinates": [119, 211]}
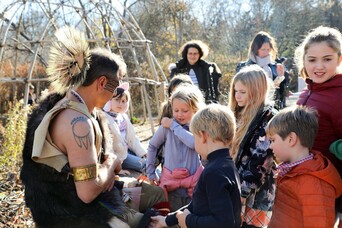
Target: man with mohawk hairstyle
{"type": "Point", "coordinates": [68, 166]}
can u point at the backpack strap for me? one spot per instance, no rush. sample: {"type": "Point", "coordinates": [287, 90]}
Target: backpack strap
{"type": "Point", "coordinates": [273, 67]}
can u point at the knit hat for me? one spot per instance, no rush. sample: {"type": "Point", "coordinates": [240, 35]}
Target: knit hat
{"type": "Point", "coordinates": [336, 148]}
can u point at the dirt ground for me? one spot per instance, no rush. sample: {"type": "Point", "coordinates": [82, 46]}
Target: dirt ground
{"type": "Point", "coordinates": [144, 131]}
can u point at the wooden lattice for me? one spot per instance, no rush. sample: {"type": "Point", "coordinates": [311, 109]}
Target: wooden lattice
{"type": "Point", "coordinates": [26, 33]}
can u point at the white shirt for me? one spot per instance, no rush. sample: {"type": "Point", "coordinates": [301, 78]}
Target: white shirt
{"type": "Point", "coordinates": [193, 77]}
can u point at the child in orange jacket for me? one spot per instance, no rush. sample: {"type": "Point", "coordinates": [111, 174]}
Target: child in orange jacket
{"type": "Point", "coordinates": [307, 182]}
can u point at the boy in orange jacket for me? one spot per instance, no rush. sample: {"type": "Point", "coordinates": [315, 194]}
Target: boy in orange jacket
{"type": "Point", "coordinates": [307, 182]}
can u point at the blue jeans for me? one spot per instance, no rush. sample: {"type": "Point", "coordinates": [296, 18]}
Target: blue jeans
{"type": "Point", "coordinates": [134, 162]}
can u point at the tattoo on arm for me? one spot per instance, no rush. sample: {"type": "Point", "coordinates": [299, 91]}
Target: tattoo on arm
{"type": "Point", "coordinates": [81, 131]}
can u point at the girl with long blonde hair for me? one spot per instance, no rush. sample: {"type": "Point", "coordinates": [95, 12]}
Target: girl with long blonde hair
{"type": "Point", "coordinates": [249, 101]}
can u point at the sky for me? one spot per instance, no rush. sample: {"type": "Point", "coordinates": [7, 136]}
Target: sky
{"type": "Point", "coordinates": [198, 5]}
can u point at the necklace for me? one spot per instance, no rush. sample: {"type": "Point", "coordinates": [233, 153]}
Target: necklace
{"type": "Point", "coordinates": [78, 97]}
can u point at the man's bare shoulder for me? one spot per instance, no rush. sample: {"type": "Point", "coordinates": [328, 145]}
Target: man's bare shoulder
{"type": "Point", "coordinates": [71, 128]}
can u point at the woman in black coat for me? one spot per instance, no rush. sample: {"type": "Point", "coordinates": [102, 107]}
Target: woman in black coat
{"type": "Point", "coordinates": [202, 73]}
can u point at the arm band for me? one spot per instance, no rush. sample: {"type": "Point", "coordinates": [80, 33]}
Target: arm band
{"type": "Point", "coordinates": [85, 173]}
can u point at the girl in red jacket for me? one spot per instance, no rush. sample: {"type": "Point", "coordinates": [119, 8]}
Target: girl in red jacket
{"type": "Point", "coordinates": [318, 59]}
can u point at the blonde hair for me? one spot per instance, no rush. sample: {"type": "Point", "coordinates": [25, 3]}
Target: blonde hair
{"type": "Point", "coordinates": [257, 85]}
{"type": "Point", "coordinates": [298, 119]}
{"type": "Point", "coordinates": [217, 120]}
{"type": "Point", "coordinates": [189, 94]}
{"type": "Point", "coordinates": [177, 80]}
{"type": "Point", "coordinates": [331, 36]}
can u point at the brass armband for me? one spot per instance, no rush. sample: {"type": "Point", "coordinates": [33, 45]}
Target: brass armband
{"type": "Point", "coordinates": [85, 173]}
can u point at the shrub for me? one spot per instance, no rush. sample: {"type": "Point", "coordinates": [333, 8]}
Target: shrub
{"type": "Point", "coordinates": [14, 136]}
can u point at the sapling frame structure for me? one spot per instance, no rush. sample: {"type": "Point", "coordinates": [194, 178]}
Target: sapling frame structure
{"type": "Point", "coordinates": [26, 34]}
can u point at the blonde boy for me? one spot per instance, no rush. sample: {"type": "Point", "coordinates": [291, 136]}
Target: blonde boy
{"type": "Point", "coordinates": [216, 198]}
{"type": "Point", "coordinates": [307, 183]}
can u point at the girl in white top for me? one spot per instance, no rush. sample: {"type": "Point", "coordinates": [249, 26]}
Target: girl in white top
{"type": "Point", "coordinates": [117, 108]}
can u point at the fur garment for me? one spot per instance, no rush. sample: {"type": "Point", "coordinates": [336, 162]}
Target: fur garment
{"type": "Point", "coordinates": [117, 144]}
{"type": "Point", "coordinates": [51, 195]}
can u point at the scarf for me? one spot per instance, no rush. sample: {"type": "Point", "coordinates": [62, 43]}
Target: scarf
{"type": "Point", "coordinates": [263, 63]}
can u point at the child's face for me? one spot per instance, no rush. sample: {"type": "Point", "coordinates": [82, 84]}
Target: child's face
{"type": "Point", "coordinates": [119, 105]}
{"type": "Point", "coordinates": [264, 50]}
{"type": "Point", "coordinates": [181, 111]}
{"type": "Point", "coordinates": [280, 148]}
{"type": "Point", "coordinates": [240, 92]}
{"type": "Point", "coordinates": [320, 62]}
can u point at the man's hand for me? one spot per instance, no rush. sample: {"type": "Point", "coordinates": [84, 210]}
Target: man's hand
{"type": "Point", "coordinates": [110, 185]}
{"type": "Point", "coordinates": [181, 216]}
{"type": "Point", "coordinates": [112, 162]}
{"type": "Point", "coordinates": [166, 122]}
{"type": "Point", "coordinates": [117, 165]}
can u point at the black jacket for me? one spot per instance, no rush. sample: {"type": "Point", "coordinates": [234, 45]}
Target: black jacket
{"type": "Point", "coordinates": [208, 78]}
{"type": "Point", "coordinates": [216, 199]}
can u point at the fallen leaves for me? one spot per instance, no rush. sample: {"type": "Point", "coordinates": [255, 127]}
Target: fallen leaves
{"type": "Point", "coordinates": [13, 211]}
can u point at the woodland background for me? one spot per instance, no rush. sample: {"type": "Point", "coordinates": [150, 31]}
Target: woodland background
{"type": "Point", "coordinates": [227, 26]}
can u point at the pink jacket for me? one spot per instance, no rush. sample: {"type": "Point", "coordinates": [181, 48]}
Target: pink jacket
{"type": "Point", "coordinates": [179, 178]}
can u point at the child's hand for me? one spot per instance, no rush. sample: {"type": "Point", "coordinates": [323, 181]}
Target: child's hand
{"type": "Point", "coordinates": [154, 182]}
{"type": "Point", "coordinates": [181, 216]}
{"type": "Point", "coordinates": [166, 122]}
{"type": "Point", "coordinates": [158, 221]}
